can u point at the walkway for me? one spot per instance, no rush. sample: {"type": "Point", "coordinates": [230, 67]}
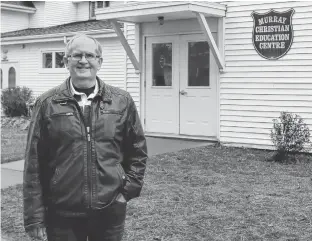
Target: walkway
{"type": "Point", "coordinates": [12, 173]}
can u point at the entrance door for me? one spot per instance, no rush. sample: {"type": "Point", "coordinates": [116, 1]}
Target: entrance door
{"type": "Point", "coordinates": [180, 86]}
{"type": "Point", "coordinates": [198, 77]}
{"type": "Point", "coordinates": [162, 85]}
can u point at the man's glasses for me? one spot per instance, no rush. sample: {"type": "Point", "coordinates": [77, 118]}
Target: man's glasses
{"type": "Point", "coordinates": [78, 57]}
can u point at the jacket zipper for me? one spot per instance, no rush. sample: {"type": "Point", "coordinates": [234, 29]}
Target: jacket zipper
{"type": "Point", "coordinates": [87, 128]}
{"type": "Point", "coordinates": [89, 169]}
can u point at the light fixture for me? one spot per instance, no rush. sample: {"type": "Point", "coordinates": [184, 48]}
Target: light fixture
{"type": "Point", "coordinates": [161, 20]}
{"type": "Point", "coordinates": [4, 54]}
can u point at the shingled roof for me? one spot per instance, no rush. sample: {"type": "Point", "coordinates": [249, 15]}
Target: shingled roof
{"type": "Point", "coordinates": [64, 28]}
{"type": "Point", "coordinates": [28, 4]}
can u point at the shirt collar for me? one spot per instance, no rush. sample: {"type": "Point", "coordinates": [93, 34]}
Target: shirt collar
{"type": "Point", "coordinates": [75, 92]}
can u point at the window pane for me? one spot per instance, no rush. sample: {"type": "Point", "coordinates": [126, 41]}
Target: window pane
{"type": "Point", "coordinates": [59, 60]}
{"type": "Point", "coordinates": [162, 64]}
{"type": "Point", "coordinates": [106, 4]}
{"type": "Point", "coordinates": [12, 77]}
{"type": "Point", "coordinates": [47, 60]}
{"type": "Point", "coordinates": [198, 64]}
{"type": "Point", "coordinates": [99, 4]}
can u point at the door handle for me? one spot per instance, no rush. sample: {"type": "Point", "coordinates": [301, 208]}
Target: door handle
{"type": "Point", "coordinates": [182, 92]}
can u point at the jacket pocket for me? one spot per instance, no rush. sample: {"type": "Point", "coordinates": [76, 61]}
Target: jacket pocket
{"type": "Point", "coordinates": [122, 175]}
{"type": "Point", "coordinates": [62, 114]}
{"type": "Point", "coordinates": [62, 125]}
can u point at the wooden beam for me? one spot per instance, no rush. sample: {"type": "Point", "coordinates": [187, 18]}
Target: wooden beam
{"type": "Point", "coordinates": [212, 44]}
{"type": "Point", "coordinates": [126, 45]}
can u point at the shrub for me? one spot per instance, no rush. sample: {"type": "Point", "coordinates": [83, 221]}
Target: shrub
{"type": "Point", "coordinates": [289, 135]}
{"type": "Point", "coordinates": [15, 101]}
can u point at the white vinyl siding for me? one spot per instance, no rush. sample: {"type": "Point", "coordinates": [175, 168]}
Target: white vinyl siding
{"type": "Point", "coordinates": [113, 68]}
{"type": "Point", "coordinates": [12, 21]}
{"type": "Point", "coordinates": [133, 79]}
{"type": "Point", "coordinates": [254, 90]}
{"type": "Point", "coordinates": [31, 75]}
{"type": "Point", "coordinates": [36, 20]}
{"type": "Point", "coordinates": [59, 12]}
{"type": "Point", "coordinates": [116, 3]}
{"type": "Point", "coordinates": [82, 11]}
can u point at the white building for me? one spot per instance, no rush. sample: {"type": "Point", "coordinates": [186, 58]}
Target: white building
{"type": "Point", "coordinates": [191, 67]}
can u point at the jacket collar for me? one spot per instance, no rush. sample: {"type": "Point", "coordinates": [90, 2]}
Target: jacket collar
{"type": "Point", "coordinates": [64, 92]}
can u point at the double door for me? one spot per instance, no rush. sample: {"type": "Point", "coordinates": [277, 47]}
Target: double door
{"type": "Point", "coordinates": [181, 77]}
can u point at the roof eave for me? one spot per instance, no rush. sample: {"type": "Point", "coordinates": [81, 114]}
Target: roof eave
{"type": "Point", "coordinates": [16, 8]}
{"type": "Point", "coordinates": [148, 11]}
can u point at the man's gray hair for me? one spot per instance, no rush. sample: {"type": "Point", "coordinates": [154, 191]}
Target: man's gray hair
{"type": "Point", "coordinates": [79, 35]}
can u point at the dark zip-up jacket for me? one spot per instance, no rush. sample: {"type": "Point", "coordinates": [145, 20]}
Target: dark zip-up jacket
{"type": "Point", "coordinates": [76, 164]}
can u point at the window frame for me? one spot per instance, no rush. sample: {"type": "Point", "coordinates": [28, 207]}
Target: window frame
{"type": "Point", "coordinates": [92, 9]}
{"type": "Point", "coordinates": [53, 69]}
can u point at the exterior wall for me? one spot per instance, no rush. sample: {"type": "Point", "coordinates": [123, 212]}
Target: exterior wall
{"type": "Point", "coordinates": [32, 76]}
{"type": "Point", "coordinates": [254, 90]}
{"type": "Point", "coordinates": [11, 21]}
{"type": "Point", "coordinates": [59, 12]}
{"type": "Point", "coordinates": [116, 3]}
{"type": "Point", "coordinates": [82, 11]}
{"type": "Point", "coordinates": [113, 67]}
{"type": "Point", "coordinates": [133, 79]}
{"type": "Point", "coordinates": [36, 20]}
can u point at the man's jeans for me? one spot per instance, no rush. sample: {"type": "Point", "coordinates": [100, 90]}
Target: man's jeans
{"type": "Point", "coordinates": [107, 225]}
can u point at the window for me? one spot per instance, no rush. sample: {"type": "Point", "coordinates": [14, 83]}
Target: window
{"type": "Point", "coordinates": [12, 77]}
{"type": "Point", "coordinates": [92, 10]}
{"type": "Point", "coordinates": [53, 60]}
{"type": "Point", "coordinates": [162, 64]}
{"type": "Point", "coordinates": [1, 79]}
{"type": "Point", "coordinates": [102, 4]}
{"type": "Point", "coordinates": [97, 4]}
{"type": "Point", "coordinates": [198, 64]}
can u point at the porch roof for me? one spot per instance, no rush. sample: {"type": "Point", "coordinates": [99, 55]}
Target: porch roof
{"type": "Point", "coordinates": [63, 28]}
{"type": "Point", "coordinates": [98, 29]}
{"type": "Point", "coordinates": [140, 12]}
{"type": "Point", "coordinates": [143, 12]}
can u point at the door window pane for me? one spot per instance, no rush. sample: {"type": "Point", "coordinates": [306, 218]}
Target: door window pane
{"type": "Point", "coordinates": [59, 60]}
{"type": "Point", "coordinates": [12, 78]}
{"type": "Point", "coordinates": [47, 60]}
{"type": "Point", "coordinates": [162, 64]}
{"type": "Point", "coordinates": [198, 64]}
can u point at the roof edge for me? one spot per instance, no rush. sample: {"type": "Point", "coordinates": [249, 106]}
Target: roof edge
{"type": "Point", "coordinates": [5, 6]}
{"type": "Point", "coordinates": [103, 33]}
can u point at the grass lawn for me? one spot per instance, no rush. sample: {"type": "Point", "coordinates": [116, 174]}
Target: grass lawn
{"type": "Point", "coordinates": [13, 144]}
{"type": "Point", "coordinates": [209, 193]}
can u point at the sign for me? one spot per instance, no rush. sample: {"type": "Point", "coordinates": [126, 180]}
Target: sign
{"type": "Point", "coordinates": [272, 33]}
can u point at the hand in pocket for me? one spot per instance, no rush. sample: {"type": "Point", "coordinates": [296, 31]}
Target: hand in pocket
{"type": "Point", "coordinates": [120, 198]}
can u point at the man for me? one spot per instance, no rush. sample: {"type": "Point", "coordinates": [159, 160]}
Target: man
{"type": "Point", "coordinates": [85, 155]}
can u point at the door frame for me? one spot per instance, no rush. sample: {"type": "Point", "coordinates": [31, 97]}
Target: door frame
{"type": "Point", "coordinates": [143, 76]}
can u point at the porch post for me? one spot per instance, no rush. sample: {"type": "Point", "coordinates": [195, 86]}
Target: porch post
{"type": "Point", "coordinates": [125, 44]}
{"type": "Point", "coordinates": [212, 44]}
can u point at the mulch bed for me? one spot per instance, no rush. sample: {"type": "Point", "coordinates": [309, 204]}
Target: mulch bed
{"type": "Point", "coordinates": [209, 193]}
{"type": "Point", "coordinates": [13, 138]}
